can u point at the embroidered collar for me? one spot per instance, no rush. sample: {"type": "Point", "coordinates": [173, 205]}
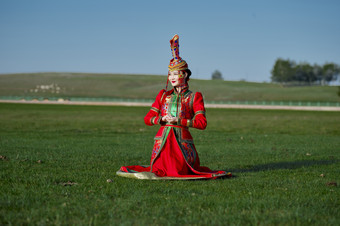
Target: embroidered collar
{"type": "Point", "coordinates": [183, 90]}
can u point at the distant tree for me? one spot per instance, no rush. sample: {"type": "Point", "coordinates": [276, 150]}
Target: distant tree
{"type": "Point", "coordinates": [317, 71]}
{"type": "Point", "coordinates": [217, 75]}
{"type": "Point", "coordinates": [287, 71]}
{"type": "Point", "coordinates": [339, 91]}
{"type": "Point", "coordinates": [304, 73]}
{"type": "Point", "coordinates": [283, 71]}
{"type": "Point", "coordinates": [330, 72]}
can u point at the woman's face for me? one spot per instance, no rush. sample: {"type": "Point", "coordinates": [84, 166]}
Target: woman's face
{"type": "Point", "coordinates": [177, 78]}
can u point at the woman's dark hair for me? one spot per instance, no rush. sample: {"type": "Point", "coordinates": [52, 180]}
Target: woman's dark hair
{"type": "Point", "coordinates": [188, 72]}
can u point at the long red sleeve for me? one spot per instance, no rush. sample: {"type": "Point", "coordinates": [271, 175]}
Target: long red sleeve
{"type": "Point", "coordinates": [199, 121]}
{"type": "Point", "coordinates": [153, 116]}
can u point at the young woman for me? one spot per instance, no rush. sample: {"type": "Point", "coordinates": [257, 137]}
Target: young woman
{"type": "Point", "coordinates": [174, 155]}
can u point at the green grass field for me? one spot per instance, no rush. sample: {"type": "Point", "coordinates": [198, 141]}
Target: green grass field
{"type": "Point", "coordinates": [147, 86]}
{"type": "Point", "coordinates": [58, 160]}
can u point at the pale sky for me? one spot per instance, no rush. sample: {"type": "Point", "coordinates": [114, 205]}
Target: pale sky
{"type": "Point", "coordinates": [242, 39]}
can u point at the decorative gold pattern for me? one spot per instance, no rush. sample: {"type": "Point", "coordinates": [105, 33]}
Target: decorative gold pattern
{"type": "Point", "coordinates": [155, 109]}
{"type": "Point", "coordinates": [152, 176]}
{"type": "Point", "coordinates": [176, 63]}
{"type": "Point", "coordinates": [152, 120]}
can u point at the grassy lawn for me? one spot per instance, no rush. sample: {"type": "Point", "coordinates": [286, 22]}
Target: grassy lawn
{"type": "Point", "coordinates": [147, 87]}
{"type": "Point", "coordinates": [58, 160]}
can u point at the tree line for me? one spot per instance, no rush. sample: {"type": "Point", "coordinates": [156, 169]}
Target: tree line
{"type": "Point", "coordinates": [288, 71]}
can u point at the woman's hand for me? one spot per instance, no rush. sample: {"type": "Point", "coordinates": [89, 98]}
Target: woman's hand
{"type": "Point", "coordinates": [164, 118]}
{"type": "Point", "coordinates": [172, 120]}
{"type": "Point", "coordinates": [169, 119]}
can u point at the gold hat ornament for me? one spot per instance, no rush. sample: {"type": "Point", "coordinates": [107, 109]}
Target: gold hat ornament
{"type": "Point", "coordinates": [176, 63]}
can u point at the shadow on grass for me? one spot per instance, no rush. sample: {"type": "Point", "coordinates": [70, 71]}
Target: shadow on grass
{"type": "Point", "coordinates": [283, 165]}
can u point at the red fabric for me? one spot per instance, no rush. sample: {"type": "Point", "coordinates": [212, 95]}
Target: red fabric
{"type": "Point", "coordinates": [198, 122]}
{"type": "Point", "coordinates": [136, 168]}
{"type": "Point", "coordinates": [175, 159]}
{"type": "Point", "coordinates": [153, 112]}
{"type": "Point", "coordinates": [171, 163]}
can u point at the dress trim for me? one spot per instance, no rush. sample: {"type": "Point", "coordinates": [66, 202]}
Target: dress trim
{"type": "Point", "coordinates": [171, 125]}
{"type": "Point", "coordinates": [155, 109]}
{"type": "Point", "coordinates": [152, 120]}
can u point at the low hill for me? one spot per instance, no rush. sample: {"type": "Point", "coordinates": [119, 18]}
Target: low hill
{"type": "Point", "coordinates": [147, 86]}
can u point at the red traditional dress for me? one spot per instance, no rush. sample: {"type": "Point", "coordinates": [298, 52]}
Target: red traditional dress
{"type": "Point", "coordinates": [174, 155]}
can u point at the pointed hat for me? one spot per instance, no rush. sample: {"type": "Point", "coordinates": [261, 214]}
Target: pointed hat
{"type": "Point", "coordinates": [176, 63]}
